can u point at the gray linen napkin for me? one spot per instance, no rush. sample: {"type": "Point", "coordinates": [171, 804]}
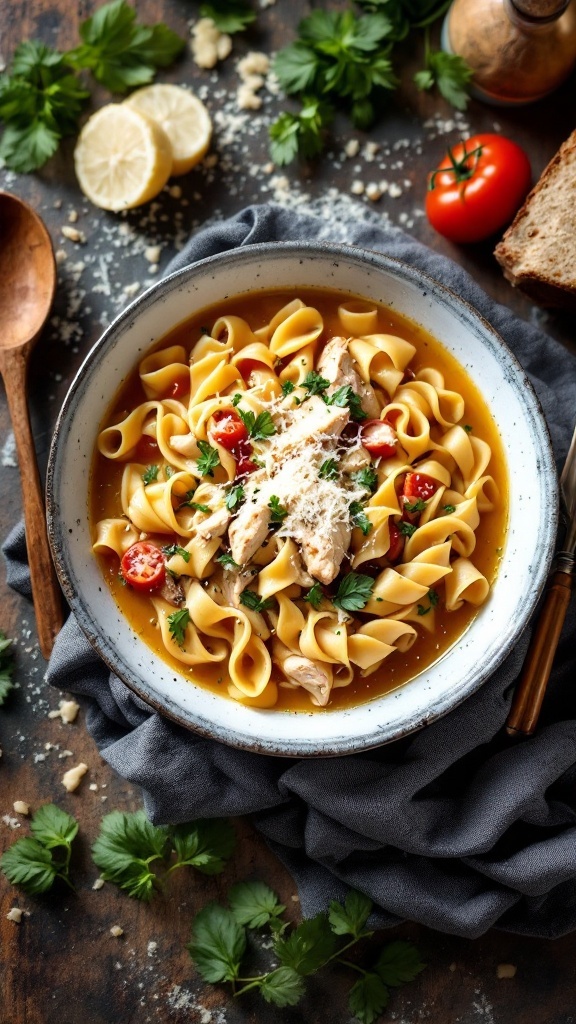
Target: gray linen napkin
{"type": "Point", "coordinates": [453, 827]}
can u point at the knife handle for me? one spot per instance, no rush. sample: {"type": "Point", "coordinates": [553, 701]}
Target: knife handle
{"type": "Point", "coordinates": [531, 686]}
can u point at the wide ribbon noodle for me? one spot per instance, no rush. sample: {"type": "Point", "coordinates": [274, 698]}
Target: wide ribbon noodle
{"type": "Point", "coordinates": [314, 499]}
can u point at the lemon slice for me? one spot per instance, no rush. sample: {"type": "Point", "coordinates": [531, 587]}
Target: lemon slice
{"type": "Point", "coordinates": [183, 117]}
{"type": "Point", "coordinates": [122, 158]}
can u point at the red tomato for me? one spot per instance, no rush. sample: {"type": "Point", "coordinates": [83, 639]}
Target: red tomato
{"type": "Point", "coordinates": [143, 566]}
{"type": "Point", "coordinates": [147, 450]}
{"type": "Point", "coordinates": [230, 431]}
{"type": "Point", "coordinates": [247, 366]}
{"type": "Point", "coordinates": [179, 387]}
{"type": "Point", "coordinates": [477, 188]}
{"type": "Point", "coordinates": [379, 438]}
{"type": "Point", "coordinates": [419, 485]}
{"type": "Point", "coordinates": [396, 543]}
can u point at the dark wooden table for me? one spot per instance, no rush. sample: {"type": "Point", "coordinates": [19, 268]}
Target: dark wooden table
{"type": "Point", "coordinates": [61, 965]}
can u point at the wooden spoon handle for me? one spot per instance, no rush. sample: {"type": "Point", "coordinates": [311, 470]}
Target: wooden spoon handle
{"type": "Point", "coordinates": [531, 686]}
{"type": "Point", "coordinates": [46, 592]}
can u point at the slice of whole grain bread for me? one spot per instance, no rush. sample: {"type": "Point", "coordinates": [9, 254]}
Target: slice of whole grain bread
{"type": "Point", "coordinates": [538, 251]}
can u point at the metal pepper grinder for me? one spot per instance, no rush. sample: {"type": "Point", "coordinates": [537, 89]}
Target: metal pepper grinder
{"type": "Point", "coordinates": [519, 50]}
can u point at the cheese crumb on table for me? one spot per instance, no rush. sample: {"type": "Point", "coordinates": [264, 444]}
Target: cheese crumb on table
{"type": "Point", "coordinates": [506, 970]}
{"type": "Point", "coordinates": [14, 914]}
{"type": "Point", "coordinates": [116, 931]}
{"type": "Point", "coordinates": [21, 807]}
{"type": "Point", "coordinates": [72, 234]}
{"type": "Point", "coordinates": [98, 884]}
{"type": "Point", "coordinates": [71, 778]}
{"type": "Point", "coordinates": [209, 45]}
{"type": "Point", "coordinates": [67, 711]}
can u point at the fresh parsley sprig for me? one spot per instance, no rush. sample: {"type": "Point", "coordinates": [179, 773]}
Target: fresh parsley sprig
{"type": "Point", "coordinates": [175, 549]}
{"type": "Point", "coordinates": [220, 943]}
{"type": "Point", "coordinates": [259, 426]}
{"type": "Point", "coordinates": [328, 470]}
{"type": "Point", "coordinates": [6, 667]}
{"type": "Point", "coordinates": [177, 623]}
{"type": "Point", "coordinates": [314, 596]}
{"type": "Point", "coordinates": [227, 561]}
{"type": "Point", "coordinates": [278, 512]}
{"type": "Point", "coordinates": [300, 134]}
{"type": "Point", "coordinates": [433, 599]}
{"type": "Point", "coordinates": [359, 518]}
{"type": "Point", "coordinates": [366, 478]}
{"type": "Point", "coordinates": [354, 591]}
{"type": "Point", "coordinates": [229, 16]}
{"type": "Point", "coordinates": [208, 459]}
{"type": "Point", "coordinates": [251, 600]}
{"type": "Point", "coordinates": [346, 396]}
{"type": "Point", "coordinates": [35, 862]}
{"type": "Point", "coordinates": [448, 72]}
{"type": "Point", "coordinates": [234, 497]}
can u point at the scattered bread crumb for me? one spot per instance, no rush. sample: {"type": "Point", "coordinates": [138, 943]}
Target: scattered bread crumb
{"type": "Point", "coordinates": [209, 45]}
{"type": "Point", "coordinates": [73, 216]}
{"type": "Point", "coordinates": [14, 914]}
{"type": "Point", "coordinates": [152, 253]}
{"type": "Point", "coordinates": [357, 187]}
{"type": "Point", "coordinates": [71, 778]}
{"type": "Point", "coordinates": [506, 970]}
{"type": "Point", "coordinates": [98, 884]}
{"type": "Point", "coordinates": [67, 711]}
{"type": "Point", "coordinates": [116, 931]}
{"type": "Point", "coordinates": [21, 807]}
{"type": "Point", "coordinates": [295, 899]}
{"type": "Point", "coordinates": [93, 786]}
{"type": "Point", "coordinates": [72, 234]}
{"type": "Point", "coordinates": [352, 147]}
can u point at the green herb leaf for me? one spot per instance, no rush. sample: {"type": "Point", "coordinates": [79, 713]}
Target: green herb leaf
{"type": "Point", "coordinates": [177, 623]}
{"type": "Point", "coordinates": [236, 398]}
{"type": "Point", "coordinates": [229, 16]}
{"type": "Point", "coordinates": [406, 529]}
{"type": "Point", "coordinates": [451, 74]}
{"type": "Point", "coordinates": [251, 600]}
{"type": "Point", "coordinates": [254, 904]}
{"type": "Point", "coordinates": [314, 383]}
{"type": "Point", "coordinates": [366, 478]}
{"type": "Point", "coordinates": [354, 592]}
{"type": "Point", "coordinates": [29, 864]}
{"type": "Point", "coordinates": [288, 387]}
{"type": "Point", "coordinates": [296, 67]}
{"type": "Point", "coordinates": [150, 475]}
{"type": "Point", "coordinates": [195, 505]}
{"type": "Point", "coordinates": [315, 596]}
{"type": "Point", "coordinates": [345, 396]}
{"type": "Point", "coordinates": [175, 549]}
{"type": "Point", "coordinates": [300, 135]}
{"type": "Point", "coordinates": [205, 845]}
{"type": "Point", "coordinates": [208, 460]}
{"type": "Point", "coordinates": [120, 53]}
{"type": "Point", "coordinates": [449, 509]}
{"type": "Point", "coordinates": [277, 511]}
{"type": "Point", "coordinates": [350, 918]}
{"type": "Point", "coordinates": [259, 427]}
{"type": "Point", "coordinates": [359, 517]}
{"type": "Point", "coordinates": [308, 947]}
{"type": "Point", "coordinates": [416, 506]}
{"type": "Point", "coordinates": [53, 827]}
{"type": "Point", "coordinates": [398, 963]}
{"type": "Point", "coordinates": [126, 846]}
{"type": "Point", "coordinates": [227, 561]}
{"type": "Point", "coordinates": [234, 497]}
{"type": "Point", "coordinates": [433, 598]}
{"type": "Point", "coordinates": [368, 998]}
{"type": "Point", "coordinates": [218, 944]}
{"type": "Point", "coordinates": [328, 470]}
{"type": "Point", "coordinates": [6, 667]}
{"type": "Point", "coordinates": [283, 987]}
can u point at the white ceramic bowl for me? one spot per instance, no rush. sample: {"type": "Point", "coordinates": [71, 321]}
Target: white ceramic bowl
{"type": "Point", "coordinates": [532, 515]}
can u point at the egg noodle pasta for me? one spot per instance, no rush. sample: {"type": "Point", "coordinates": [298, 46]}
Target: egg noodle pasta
{"type": "Point", "coordinates": [297, 497]}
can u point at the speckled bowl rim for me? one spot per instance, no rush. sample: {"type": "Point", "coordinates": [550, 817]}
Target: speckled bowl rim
{"type": "Point", "coordinates": [516, 377]}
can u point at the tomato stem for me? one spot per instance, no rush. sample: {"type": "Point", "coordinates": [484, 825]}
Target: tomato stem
{"type": "Point", "coordinates": [460, 168]}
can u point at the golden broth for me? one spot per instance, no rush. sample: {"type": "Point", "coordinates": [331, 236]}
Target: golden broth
{"type": "Point", "coordinates": [399, 668]}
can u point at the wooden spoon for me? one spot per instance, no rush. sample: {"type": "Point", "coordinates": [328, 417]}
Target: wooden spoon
{"type": "Point", "coordinates": [27, 284]}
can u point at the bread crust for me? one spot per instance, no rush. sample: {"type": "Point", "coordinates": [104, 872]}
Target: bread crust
{"type": "Point", "coordinates": [522, 270]}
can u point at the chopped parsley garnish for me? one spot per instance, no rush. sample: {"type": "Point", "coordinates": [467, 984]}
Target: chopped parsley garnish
{"type": "Point", "coordinates": [229, 16]}
{"type": "Point", "coordinates": [433, 598]}
{"type": "Point", "coordinates": [177, 623]}
{"type": "Point", "coordinates": [195, 505]}
{"type": "Point", "coordinates": [150, 474]}
{"type": "Point", "coordinates": [277, 511]}
{"type": "Point", "coordinates": [251, 600]}
{"type": "Point", "coordinates": [314, 596]}
{"type": "Point", "coordinates": [314, 383]}
{"type": "Point", "coordinates": [288, 387]}
{"type": "Point", "coordinates": [236, 398]}
{"type": "Point", "coordinates": [259, 427]}
{"type": "Point", "coordinates": [354, 592]}
{"type": "Point", "coordinates": [208, 460]}
{"type": "Point", "coordinates": [168, 472]}
{"type": "Point", "coordinates": [234, 497]}
{"type": "Point", "coordinates": [346, 396]}
{"type": "Point", "coordinates": [448, 509]}
{"type": "Point", "coordinates": [175, 549]}
{"type": "Point", "coordinates": [407, 529]}
{"type": "Point", "coordinates": [366, 478]}
{"type": "Point", "coordinates": [227, 561]}
{"type": "Point", "coordinates": [359, 517]}
{"type": "Point", "coordinates": [415, 506]}
{"type": "Point", "coordinates": [328, 470]}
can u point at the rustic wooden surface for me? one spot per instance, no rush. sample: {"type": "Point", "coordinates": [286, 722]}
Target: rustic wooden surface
{"type": "Point", "coordinates": [61, 965]}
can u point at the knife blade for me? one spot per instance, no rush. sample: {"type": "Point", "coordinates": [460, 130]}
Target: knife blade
{"type": "Point", "coordinates": [533, 681]}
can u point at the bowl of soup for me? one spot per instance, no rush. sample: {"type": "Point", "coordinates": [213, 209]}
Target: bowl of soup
{"type": "Point", "coordinates": [301, 498]}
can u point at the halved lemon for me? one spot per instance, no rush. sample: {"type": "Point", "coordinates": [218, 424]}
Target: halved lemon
{"type": "Point", "coordinates": [183, 117]}
{"type": "Point", "coordinates": [122, 158]}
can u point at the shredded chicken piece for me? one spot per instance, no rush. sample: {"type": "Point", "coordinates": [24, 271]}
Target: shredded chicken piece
{"type": "Point", "coordinates": [250, 527]}
{"type": "Point", "coordinates": [215, 525]}
{"type": "Point", "coordinates": [304, 672]}
{"type": "Point", "coordinates": [335, 365]}
{"type": "Point", "coordinates": [324, 547]}
{"type": "Point", "coordinates": [310, 421]}
{"type": "Point", "coordinates": [185, 444]}
{"type": "Point", "coordinates": [355, 460]}
{"type": "Point", "coordinates": [226, 586]}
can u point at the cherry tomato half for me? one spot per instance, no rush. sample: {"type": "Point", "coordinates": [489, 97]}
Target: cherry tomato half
{"type": "Point", "coordinates": [477, 188]}
{"type": "Point", "coordinates": [143, 566]}
{"type": "Point", "coordinates": [378, 438]}
{"type": "Point", "coordinates": [419, 485]}
{"type": "Point", "coordinates": [229, 431]}
{"type": "Point", "coordinates": [396, 543]}
{"type": "Point", "coordinates": [247, 366]}
{"type": "Point", "coordinates": [181, 386]}
{"type": "Point", "coordinates": [242, 454]}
